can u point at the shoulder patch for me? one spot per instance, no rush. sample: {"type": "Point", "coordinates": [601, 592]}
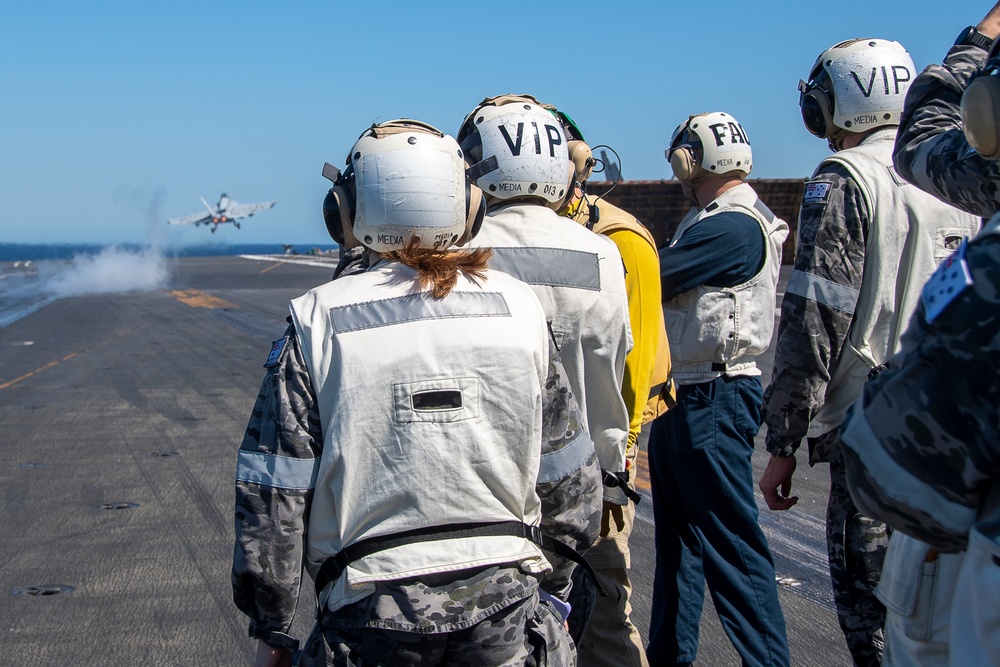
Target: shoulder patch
{"type": "Point", "coordinates": [951, 279]}
{"type": "Point", "coordinates": [278, 348]}
{"type": "Point", "coordinates": [816, 193]}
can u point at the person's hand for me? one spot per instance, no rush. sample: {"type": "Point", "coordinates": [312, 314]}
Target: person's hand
{"type": "Point", "coordinates": [612, 515]}
{"type": "Point", "coordinates": [990, 25]}
{"type": "Point", "coordinates": [268, 656]}
{"type": "Point", "coordinates": [776, 482]}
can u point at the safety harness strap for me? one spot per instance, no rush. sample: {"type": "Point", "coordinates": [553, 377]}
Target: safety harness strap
{"type": "Point", "coordinates": [333, 567]}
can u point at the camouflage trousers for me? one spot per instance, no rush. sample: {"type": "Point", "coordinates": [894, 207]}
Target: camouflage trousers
{"type": "Point", "coordinates": [529, 633]}
{"type": "Point", "coordinates": [856, 547]}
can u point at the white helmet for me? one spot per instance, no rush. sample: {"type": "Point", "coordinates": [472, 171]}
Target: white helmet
{"type": "Point", "coordinates": [709, 144]}
{"type": "Point", "coordinates": [518, 150]}
{"type": "Point", "coordinates": [404, 180]}
{"type": "Point", "coordinates": [856, 86]}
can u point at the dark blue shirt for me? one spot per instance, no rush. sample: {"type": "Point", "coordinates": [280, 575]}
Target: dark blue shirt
{"type": "Point", "coordinates": [722, 250]}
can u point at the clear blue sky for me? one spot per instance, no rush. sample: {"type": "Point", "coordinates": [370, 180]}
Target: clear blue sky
{"type": "Point", "coordinates": [117, 115]}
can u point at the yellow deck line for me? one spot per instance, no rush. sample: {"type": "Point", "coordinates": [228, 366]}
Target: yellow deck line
{"type": "Point", "coordinates": [273, 266]}
{"type": "Point", "coordinates": [11, 383]}
{"type": "Point", "coordinates": [37, 370]}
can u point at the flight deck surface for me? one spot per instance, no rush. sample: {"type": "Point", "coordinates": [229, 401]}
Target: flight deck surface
{"type": "Point", "coordinates": [120, 419]}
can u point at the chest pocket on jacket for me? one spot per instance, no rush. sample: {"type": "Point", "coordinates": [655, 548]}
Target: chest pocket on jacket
{"type": "Point", "coordinates": [440, 401]}
{"type": "Point", "coordinates": [947, 241]}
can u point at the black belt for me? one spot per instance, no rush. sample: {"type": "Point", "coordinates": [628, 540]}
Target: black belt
{"type": "Point", "coordinates": [333, 567]}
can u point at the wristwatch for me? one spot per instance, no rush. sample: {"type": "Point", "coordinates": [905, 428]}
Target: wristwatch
{"type": "Point", "coordinates": [972, 37]}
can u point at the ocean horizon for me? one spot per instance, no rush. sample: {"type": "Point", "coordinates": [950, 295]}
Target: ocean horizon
{"type": "Point", "coordinates": [36, 252]}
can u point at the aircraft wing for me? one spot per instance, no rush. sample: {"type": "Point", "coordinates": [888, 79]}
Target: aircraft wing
{"type": "Point", "coordinates": [193, 219]}
{"type": "Point", "coordinates": [237, 211]}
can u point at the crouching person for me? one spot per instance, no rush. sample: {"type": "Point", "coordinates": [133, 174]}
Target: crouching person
{"type": "Point", "coordinates": [396, 446]}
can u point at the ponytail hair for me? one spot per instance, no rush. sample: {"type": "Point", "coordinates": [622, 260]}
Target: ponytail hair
{"type": "Point", "coordinates": [440, 268]}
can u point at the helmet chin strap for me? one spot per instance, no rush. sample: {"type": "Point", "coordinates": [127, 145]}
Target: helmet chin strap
{"type": "Point", "coordinates": [836, 140]}
{"type": "Point", "coordinates": [570, 209]}
{"type": "Point", "coordinates": [688, 188]}
{"type": "Point", "coordinates": [839, 141]}
{"type": "Point", "coordinates": [570, 206]}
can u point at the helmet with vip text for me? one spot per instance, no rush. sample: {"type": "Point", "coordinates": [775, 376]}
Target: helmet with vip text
{"type": "Point", "coordinates": [708, 145]}
{"type": "Point", "coordinates": [854, 87]}
{"type": "Point", "coordinates": [405, 182]}
{"type": "Point", "coordinates": [518, 150]}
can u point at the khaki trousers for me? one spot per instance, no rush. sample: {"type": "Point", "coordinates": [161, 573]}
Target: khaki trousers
{"type": "Point", "coordinates": [611, 640]}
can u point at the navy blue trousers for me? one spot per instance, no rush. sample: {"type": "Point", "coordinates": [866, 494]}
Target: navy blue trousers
{"type": "Point", "coordinates": [707, 530]}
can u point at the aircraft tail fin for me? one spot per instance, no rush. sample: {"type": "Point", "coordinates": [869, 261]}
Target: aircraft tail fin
{"type": "Point", "coordinates": [210, 209]}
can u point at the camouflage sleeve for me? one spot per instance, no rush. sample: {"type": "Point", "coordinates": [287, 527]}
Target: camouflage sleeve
{"type": "Point", "coordinates": [818, 305]}
{"type": "Point", "coordinates": [922, 445]}
{"type": "Point", "coordinates": [569, 477]}
{"type": "Point", "coordinates": [931, 149]}
{"type": "Point", "coordinates": [274, 481]}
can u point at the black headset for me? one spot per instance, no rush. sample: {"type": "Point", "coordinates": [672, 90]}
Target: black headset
{"type": "Point", "coordinates": [339, 204]}
{"type": "Point", "coordinates": [816, 105]}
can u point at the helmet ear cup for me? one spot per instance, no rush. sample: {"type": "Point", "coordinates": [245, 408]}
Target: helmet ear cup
{"type": "Point", "coordinates": [817, 113]}
{"type": "Point", "coordinates": [331, 216]}
{"type": "Point", "coordinates": [682, 161]}
{"type": "Point", "coordinates": [339, 209]}
{"type": "Point", "coordinates": [475, 208]}
{"type": "Point", "coordinates": [582, 158]}
{"type": "Point", "coordinates": [981, 116]}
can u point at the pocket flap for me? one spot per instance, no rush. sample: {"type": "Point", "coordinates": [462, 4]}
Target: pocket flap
{"type": "Point", "coordinates": [901, 573]}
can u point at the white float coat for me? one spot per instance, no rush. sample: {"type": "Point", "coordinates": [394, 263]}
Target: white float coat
{"type": "Point", "coordinates": [401, 380]}
{"type": "Point", "coordinates": [579, 278]}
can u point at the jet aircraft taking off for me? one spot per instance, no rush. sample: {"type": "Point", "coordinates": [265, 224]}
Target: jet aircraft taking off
{"type": "Point", "coordinates": [227, 210]}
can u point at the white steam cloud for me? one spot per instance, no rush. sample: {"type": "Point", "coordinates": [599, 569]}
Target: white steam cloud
{"type": "Point", "coordinates": [117, 269]}
{"type": "Point", "coordinates": [25, 289]}
{"type": "Point", "coordinates": [112, 270]}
